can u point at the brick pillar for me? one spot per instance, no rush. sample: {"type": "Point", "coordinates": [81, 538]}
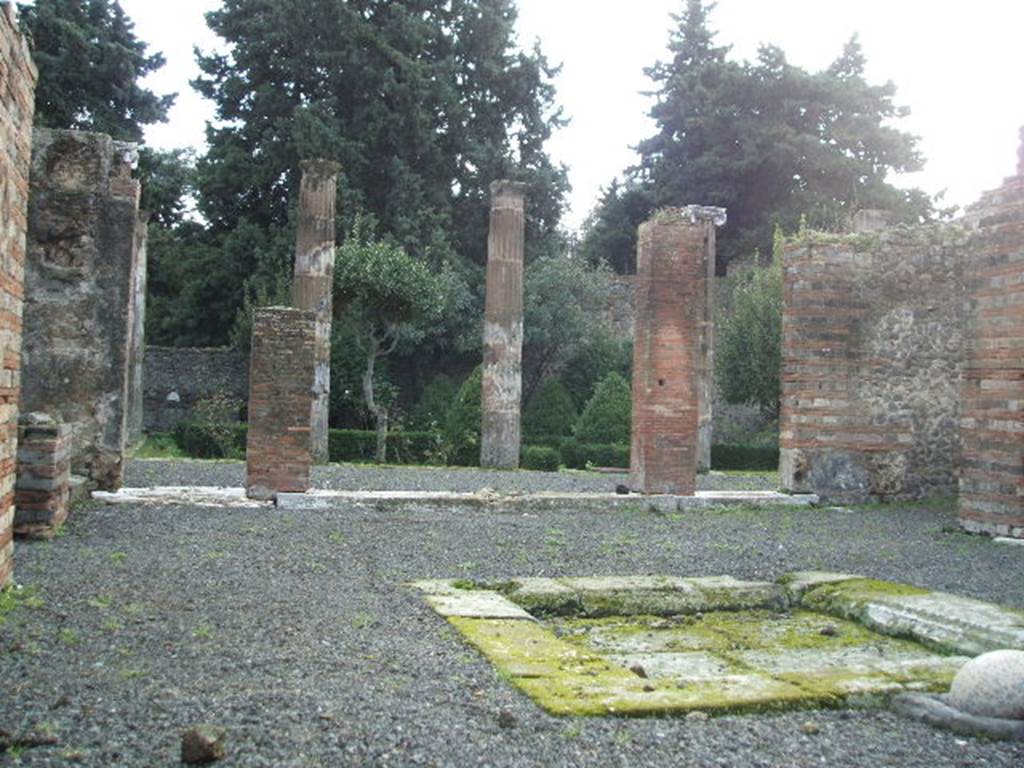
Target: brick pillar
{"type": "Point", "coordinates": [671, 347]}
{"type": "Point", "coordinates": [17, 107]}
{"type": "Point", "coordinates": [314, 279]}
{"type": "Point", "coordinates": [503, 328]}
{"type": "Point", "coordinates": [282, 394]}
{"type": "Point", "coordinates": [992, 475]}
{"type": "Point", "coordinates": [44, 476]}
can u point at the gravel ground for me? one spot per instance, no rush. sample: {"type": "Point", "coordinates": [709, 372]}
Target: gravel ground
{"type": "Point", "coordinates": [151, 472]}
{"type": "Point", "coordinates": [295, 632]}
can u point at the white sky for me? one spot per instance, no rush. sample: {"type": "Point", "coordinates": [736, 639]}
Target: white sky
{"type": "Point", "coordinates": [957, 66]}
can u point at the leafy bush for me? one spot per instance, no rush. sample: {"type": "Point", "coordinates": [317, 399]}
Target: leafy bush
{"type": "Point", "coordinates": [360, 445]}
{"type": "Point", "coordinates": [748, 457]}
{"type": "Point", "coordinates": [437, 397]}
{"type": "Point", "coordinates": [461, 436]}
{"type": "Point", "coordinates": [540, 457]}
{"type": "Point", "coordinates": [205, 440]}
{"type": "Point", "coordinates": [577, 455]}
{"type": "Point", "coordinates": [550, 412]}
{"type": "Point", "coordinates": [600, 355]}
{"type": "Point", "coordinates": [607, 416]}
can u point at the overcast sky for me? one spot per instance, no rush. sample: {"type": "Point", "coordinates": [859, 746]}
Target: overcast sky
{"type": "Point", "coordinates": [956, 65]}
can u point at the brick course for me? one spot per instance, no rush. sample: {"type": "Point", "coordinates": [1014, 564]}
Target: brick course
{"type": "Point", "coordinates": [281, 399]}
{"type": "Point", "coordinates": [17, 108]}
{"type": "Point", "coordinates": [44, 473]}
{"type": "Point", "coordinates": [992, 423]}
{"type": "Point", "coordinates": [671, 354]}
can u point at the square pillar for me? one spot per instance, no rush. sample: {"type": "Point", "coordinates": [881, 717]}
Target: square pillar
{"type": "Point", "coordinates": [42, 488]}
{"type": "Point", "coordinates": [503, 329]}
{"type": "Point", "coordinates": [282, 395]}
{"type": "Point", "coordinates": [671, 353]}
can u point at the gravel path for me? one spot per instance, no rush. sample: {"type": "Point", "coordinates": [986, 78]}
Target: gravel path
{"type": "Point", "coordinates": [295, 632]}
{"type": "Point", "coordinates": [150, 472]}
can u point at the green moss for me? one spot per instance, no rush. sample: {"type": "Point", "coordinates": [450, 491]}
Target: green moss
{"type": "Point", "coordinates": [847, 598]}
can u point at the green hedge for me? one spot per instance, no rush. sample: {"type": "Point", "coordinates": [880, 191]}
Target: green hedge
{"type": "Point", "coordinates": [203, 440]}
{"type": "Point", "coordinates": [748, 457]}
{"type": "Point", "coordinates": [540, 457]}
{"type": "Point", "coordinates": [577, 455]}
{"type": "Point", "coordinates": [360, 445]}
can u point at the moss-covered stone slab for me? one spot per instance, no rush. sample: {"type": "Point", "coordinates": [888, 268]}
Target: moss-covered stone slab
{"type": "Point", "coordinates": [639, 645]}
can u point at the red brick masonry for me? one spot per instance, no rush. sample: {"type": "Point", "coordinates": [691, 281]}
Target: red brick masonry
{"type": "Point", "coordinates": [282, 395]}
{"type": "Point", "coordinates": [44, 476]}
{"type": "Point", "coordinates": [673, 252]}
{"type": "Point", "coordinates": [17, 108]}
{"type": "Point", "coordinates": [992, 422]}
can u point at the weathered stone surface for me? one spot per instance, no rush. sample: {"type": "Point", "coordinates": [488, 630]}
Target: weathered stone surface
{"type": "Point", "coordinates": [503, 328]}
{"type": "Point", "coordinates": [992, 420]}
{"type": "Point", "coordinates": [477, 604]}
{"type": "Point", "coordinates": [672, 351]}
{"type": "Point", "coordinates": [42, 489]}
{"type": "Point", "coordinates": [203, 744]}
{"type": "Point", "coordinates": [935, 710]}
{"type": "Point", "coordinates": [17, 108]}
{"type": "Point", "coordinates": [81, 277]}
{"type": "Point", "coordinates": [176, 378]}
{"type": "Point", "coordinates": [137, 343]}
{"type": "Point", "coordinates": [798, 583]}
{"type": "Point", "coordinates": [313, 288]}
{"type": "Point", "coordinates": [991, 685]}
{"type": "Point", "coordinates": [282, 392]}
{"type": "Point", "coordinates": [873, 328]}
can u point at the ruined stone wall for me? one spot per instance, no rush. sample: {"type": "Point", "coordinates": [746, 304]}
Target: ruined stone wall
{"type": "Point", "coordinates": [873, 328]}
{"type": "Point", "coordinates": [176, 378]}
{"type": "Point", "coordinates": [282, 396]}
{"type": "Point", "coordinates": [992, 477]}
{"type": "Point", "coordinates": [17, 108]}
{"type": "Point", "coordinates": [80, 278]}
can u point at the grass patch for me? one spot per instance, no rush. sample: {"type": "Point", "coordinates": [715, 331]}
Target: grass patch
{"type": "Point", "coordinates": [159, 445]}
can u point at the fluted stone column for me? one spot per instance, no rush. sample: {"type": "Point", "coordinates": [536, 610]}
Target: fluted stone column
{"type": "Point", "coordinates": [503, 328]}
{"type": "Point", "coordinates": [672, 348]}
{"type": "Point", "coordinates": [314, 278]}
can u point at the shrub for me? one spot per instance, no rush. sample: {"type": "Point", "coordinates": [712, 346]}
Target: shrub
{"type": "Point", "coordinates": [600, 356]}
{"type": "Point", "coordinates": [461, 437]}
{"type": "Point", "coordinates": [578, 455]}
{"type": "Point", "coordinates": [360, 445]}
{"type": "Point", "coordinates": [540, 457]}
{"type": "Point", "coordinates": [205, 440]}
{"type": "Point", "coordinates": [434, 402]}
{"type": "Point", "coordinates": [607, 416]}
{"type": "Point", "coordinates": [550, 412]}
{"type": "Point", "coordinates": [748, 457]}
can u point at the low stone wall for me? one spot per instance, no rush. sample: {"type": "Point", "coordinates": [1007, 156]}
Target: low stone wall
{"type": "Point", "coordinates": [176, 378]}
{"type": "Point", "coordinates": [873, 328]}
{"type": "Point", "coordinates": [17, 107]}
{"type": "Point", "coordinates": [992, 478]}
{"type": "Point", "coordinates": [44, 476]}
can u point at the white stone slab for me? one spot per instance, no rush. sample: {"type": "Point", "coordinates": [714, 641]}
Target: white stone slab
{"type": "Point", "coordinates": [477, 604]}
{"type": "Point", "coordinates": [197, 495]}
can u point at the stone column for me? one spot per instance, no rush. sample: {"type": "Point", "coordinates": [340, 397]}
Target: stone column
{"type": "Point", "coordinates": [503, 328]}
{"type": "Point", "coordinates": [671, 355]}
{"type": "Point", "coordinates": [282, 393]}
{"type": "Point", "coordinates": [314, 279]}
{"type": "Point", "coordinates": [42, 489]}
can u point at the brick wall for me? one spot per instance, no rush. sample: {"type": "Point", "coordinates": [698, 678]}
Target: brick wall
{"type": "Point", "coordinates": [675, 262]}
{"type": "Point", "coordinates": [81, 281]}
{"type": "Point", "coordinates": [44, 475]}
{"type": "Point", "coordinates": [872, 357]}
{"type": "Point", "coordinates": [17, 107]}
{"type": "Point", "coordinates": [282, 393]}
{"type": "Point", "coordinates": [992, 477]}
{"type": "Point", "coordinates": [176, 378]}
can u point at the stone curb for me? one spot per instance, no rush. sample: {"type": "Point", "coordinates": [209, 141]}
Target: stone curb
{"type": "Point", "coordinates": [934, 711]}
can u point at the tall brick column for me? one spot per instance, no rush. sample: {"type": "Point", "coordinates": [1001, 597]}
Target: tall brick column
{"type": "Point", "coordinates": [671, 353]}
{"type": "Point", "coordinates": [17, 107]}
{"type": "Point", "coordinates": [314, 278]}
{"type": "Point", "coordinates": [282, 394]}
{"type": "Point", "coordinates": [503, 328]}
{"type": "Point", "coordinates": [992, 419]}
